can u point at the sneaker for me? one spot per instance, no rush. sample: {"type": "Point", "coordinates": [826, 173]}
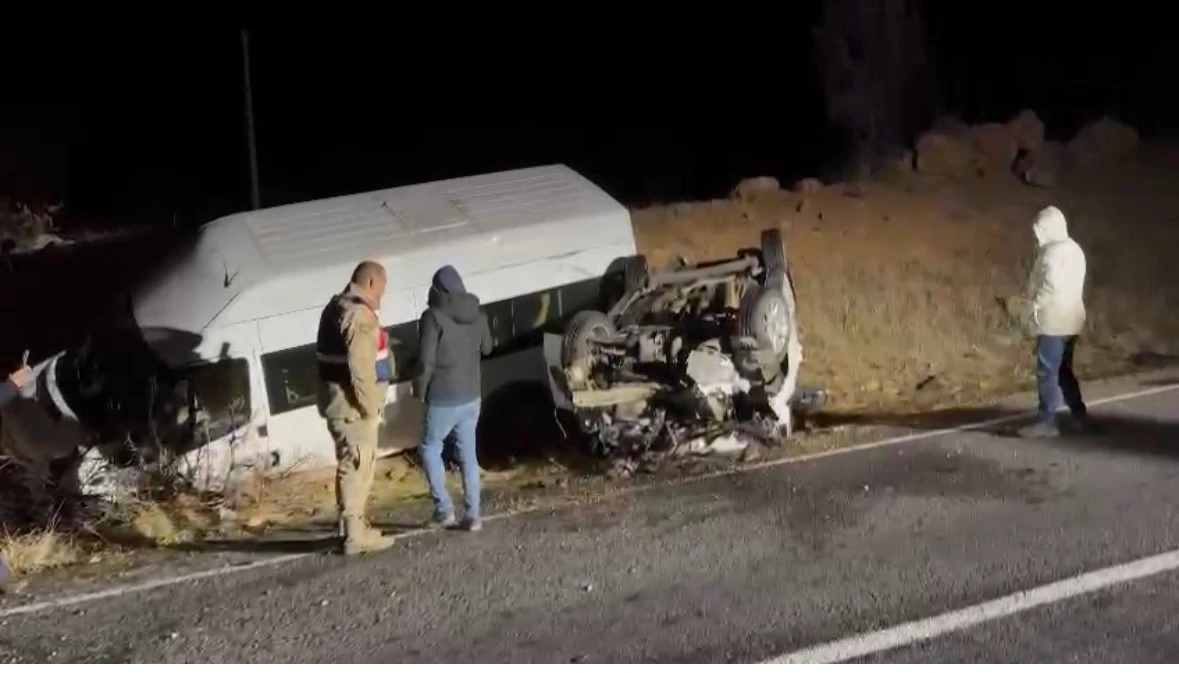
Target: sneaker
{"type": "Point", "coordinates": [472, 524]}
{"type": "Point", "coordinates": [1040, 431]}
{"type": "Point", "coordinates": [1080, 423]}
{"type": "Point", "coordinates": [442, 521]}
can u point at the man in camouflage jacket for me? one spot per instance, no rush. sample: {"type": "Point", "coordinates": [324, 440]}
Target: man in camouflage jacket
{"type": "Point", "coordinates": [354, 374]}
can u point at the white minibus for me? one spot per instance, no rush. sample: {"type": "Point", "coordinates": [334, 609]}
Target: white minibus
{"type": "Point", "coordinates": [232, 317]}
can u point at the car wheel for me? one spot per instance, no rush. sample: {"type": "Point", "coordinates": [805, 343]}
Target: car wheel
{"type": "Point", "coordinates": [635, 273]}
{"type": "Point", "coordinates": [624, 276]}
{"type": "Point", "coordinates": [583, 327]}
{"type": "Point", "coordinates": [765, 317]}
{"type": "Point", "coordinates": [773, 256]}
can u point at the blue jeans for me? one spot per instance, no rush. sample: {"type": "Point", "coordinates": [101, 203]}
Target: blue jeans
{"type": "Point", "coordinates": [1055, 379]}
{"type": "Point", "coordinates": [440, 423]}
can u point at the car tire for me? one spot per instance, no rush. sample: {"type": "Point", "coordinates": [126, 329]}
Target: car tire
{"type": "Point", "coordinates": [765, 317]}
{"type": "Point", "coordinates": [635, 273]}
{"type": "Point", "coordinates": [773, 260]}
{"type": "Point", "coordinates": [624, 276]}
{"type": "Point", "coordinates": [773, 256]}
{"type": "Point", "coordinates": [581, 328]}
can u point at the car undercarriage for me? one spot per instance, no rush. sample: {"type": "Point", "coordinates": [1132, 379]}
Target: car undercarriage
{"type": "Point", "coordinates": [689, 360]}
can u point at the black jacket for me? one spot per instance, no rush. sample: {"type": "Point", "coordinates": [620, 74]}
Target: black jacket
{"type": "Point", "coordinates": [454, 336]}
{"type": "Point", "coordinates": [8, 391]}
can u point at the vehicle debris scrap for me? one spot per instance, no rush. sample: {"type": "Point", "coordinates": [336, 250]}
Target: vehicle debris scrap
{"type": "Point", "coordinates": [692, 360]}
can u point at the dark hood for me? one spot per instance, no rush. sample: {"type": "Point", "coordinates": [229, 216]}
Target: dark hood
{"type": "Point", "coordinates": [449, 296]}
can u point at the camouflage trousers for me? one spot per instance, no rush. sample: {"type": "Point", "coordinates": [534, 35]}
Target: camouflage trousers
{"type": "Point", "coordinates": [356, 453]}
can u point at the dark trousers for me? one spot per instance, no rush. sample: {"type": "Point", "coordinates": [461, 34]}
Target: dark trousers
{"type": "Point", "coordinates": [1055, 378]}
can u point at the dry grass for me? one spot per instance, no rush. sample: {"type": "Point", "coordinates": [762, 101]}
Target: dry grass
{"type": "Point", "coordinates": [37, 551]}
{"type": "Point", "coordinates": [276, 500]}
{"type": "Point", "coordinates": [294, 499]}
{"type": "Point", "coordinates": [180, 519]}
{"type": "Point", "coordinates": [906, 279]}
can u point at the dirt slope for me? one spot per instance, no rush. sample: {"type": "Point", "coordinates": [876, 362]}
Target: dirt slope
{"type": "Point", "coordinates": [911, 276]}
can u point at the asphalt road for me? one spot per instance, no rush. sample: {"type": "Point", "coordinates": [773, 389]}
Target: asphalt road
{"type": "Point", "coordinates": [744, 567]}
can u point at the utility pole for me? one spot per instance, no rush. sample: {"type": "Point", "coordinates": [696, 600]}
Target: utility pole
{"type": "Point", "coordinates": [251, 143]}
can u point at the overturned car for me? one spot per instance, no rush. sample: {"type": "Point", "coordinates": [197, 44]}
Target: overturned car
{"type": "Point", "coordinates": [693, 359]}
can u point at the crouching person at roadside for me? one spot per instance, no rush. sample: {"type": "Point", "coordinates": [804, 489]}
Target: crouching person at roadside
{"type": "Point", "coordinates": [454, 336]}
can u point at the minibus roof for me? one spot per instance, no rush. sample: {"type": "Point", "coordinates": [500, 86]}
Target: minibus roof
{"type": "Point", "coordinates": [252, 265]}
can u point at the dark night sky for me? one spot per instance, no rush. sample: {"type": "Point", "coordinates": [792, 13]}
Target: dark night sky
{"type": "Point", "coordinates": [135, 124]}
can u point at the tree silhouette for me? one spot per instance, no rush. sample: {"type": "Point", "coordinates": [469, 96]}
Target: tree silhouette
{"type": "Point", "coordinates": [876, 75]}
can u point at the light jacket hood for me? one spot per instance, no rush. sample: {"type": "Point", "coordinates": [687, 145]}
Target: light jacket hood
{"type": "Point", "coordinates": [1057, 283]}
{"type": "Point", "coordinates": [1050, 226]}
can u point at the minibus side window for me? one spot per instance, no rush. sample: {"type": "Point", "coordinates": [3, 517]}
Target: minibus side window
{"type": "Point", "coordinates": [579, 296]}
{"type": "Point", "coordinates": [403, 348]}
{"type": "Point", "coordinates": [292, 378]}
{"type": "Point", "coordinates": [218, 397]}
{"type": "Point", "coordinates": [292, 375]}
{"type": "Point", "coordinates": [532, 314]}
{"type": "Point", "coordinates": [499, 320]}
{"type": "Point", "coordinates": [520, 322]}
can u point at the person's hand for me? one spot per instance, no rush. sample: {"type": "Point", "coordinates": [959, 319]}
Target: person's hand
{"type": "Point", "coordinates": [21, 376]}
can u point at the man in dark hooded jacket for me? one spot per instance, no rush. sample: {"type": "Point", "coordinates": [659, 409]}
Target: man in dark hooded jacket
{"type": "Point", "coordinates": [454, 336]}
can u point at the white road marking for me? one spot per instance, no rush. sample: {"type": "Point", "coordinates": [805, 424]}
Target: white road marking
{"type": "Point", "coordinates": [116, 592]}
{"type": "Point", "coordinates": [930, 434]}
{"type": "Point", "coordinates": [924, 629]}
{"type": "Point", "coordinates": [120, 591]}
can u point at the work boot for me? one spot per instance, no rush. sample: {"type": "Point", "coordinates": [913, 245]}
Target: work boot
{"type": "Point", "coordinates": [1040, 430]}
{"type": "Point", "coordinates": [360, 538]}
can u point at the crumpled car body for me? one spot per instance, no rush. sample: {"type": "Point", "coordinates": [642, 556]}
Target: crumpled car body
{"type": "Point", "coordinates": [690, 360]}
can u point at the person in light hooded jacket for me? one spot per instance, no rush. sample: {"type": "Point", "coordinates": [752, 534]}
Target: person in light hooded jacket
{"type": "Point", "coordinates": [1057, 307]}
{"type": "Point", "coordinates": [455, 336]}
